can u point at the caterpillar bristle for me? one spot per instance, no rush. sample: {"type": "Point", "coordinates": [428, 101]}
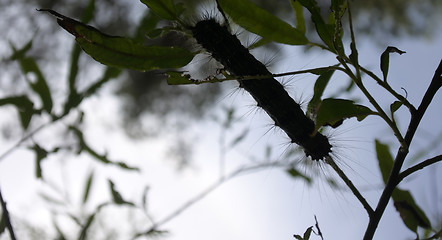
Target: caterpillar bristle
{"type": "Point", "coordinates": [269, 93]}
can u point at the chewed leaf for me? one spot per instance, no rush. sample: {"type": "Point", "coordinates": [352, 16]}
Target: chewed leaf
{"type": "Point", "coordinates": [122, 52]}
{"type": "Point", "coordinates": [385, 59]}
{"type": "Point", "coordinates": [29, 65]}
{"type": "Point", "coordinates": [261, 22]}
{"type": "Point", "coordinates": [411, 214]}
{"type": "Point", "coordinates": [332, 111]}
{"type": "Point", "coordinates": [163, 8]}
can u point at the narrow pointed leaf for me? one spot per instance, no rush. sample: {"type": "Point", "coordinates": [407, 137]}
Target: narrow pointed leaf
{"type": "Point", "coordinates": [333, 111]}
{"type": "Point", "coordinates": [293, 172]}
{"type": "Point", "coordinates": [116, 196]}
{"type": "Point", "coordinates": [320, 85]}
{"type": "Point", "coordinates": [88, 187]}
{"type": "Point", "coordinates": [40, 155]}
{"type": "Point", "coordinates": [261, 22]}
{"type": "Point", "coordinates": [163, 8]}
{"type": "Point", "coordinates": [122, 52]}
{"type": "Point", "coordinates": [299, 15]}
{"type": "Point", "coordinates": [39, 85]}
{"type": "Point", "coordinates": [84, 146]}
{"type": "Point", "coordinates": [24, 106]}
{"type": "Point", "coordinates": [325, 31]}
{"type": "Point", "coordinates": [385, 159]}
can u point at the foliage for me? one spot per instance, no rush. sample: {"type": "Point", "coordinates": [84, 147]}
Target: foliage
{"type": "Point", "coordinates": [127, 53]}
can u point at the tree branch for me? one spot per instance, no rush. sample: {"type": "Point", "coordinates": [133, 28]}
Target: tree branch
{"type": "Point", "coordinates": [392, 182]}
{"type": "Point", "coordinates": [350, 185]}
{"type": "Point", "coordinates": [6, 218]}
{"type": "Point", "coordinates": [418, 167]}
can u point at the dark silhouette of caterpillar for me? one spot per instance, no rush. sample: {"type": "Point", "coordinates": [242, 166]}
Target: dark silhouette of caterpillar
{"type": "Point", "coordinates": [268, 93]}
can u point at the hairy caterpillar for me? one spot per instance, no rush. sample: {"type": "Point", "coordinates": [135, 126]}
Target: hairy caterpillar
{"type": "Point", "coordinates": [269, 94]}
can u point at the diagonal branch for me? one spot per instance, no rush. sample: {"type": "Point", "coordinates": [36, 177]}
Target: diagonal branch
{"type": "Point", "coordinates": [392, 182]}
{"type": "Point", "coordinates": [6, 218]}
{"type": "Point", "coordinates": [418, 167]}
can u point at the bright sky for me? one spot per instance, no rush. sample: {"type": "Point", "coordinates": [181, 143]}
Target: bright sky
{"type": "Point", "coordinates": [260, 206]}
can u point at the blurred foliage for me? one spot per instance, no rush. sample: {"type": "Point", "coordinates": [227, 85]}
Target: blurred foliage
{"type": "Point", "coordinates": [144, 94]}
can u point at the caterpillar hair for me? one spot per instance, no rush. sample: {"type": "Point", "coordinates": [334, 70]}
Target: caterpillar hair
{"type": "Point", "coordinates": [269, 94]}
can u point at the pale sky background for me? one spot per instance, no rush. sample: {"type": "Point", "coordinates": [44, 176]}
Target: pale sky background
{"type": "Point", "coordinates": [260, 206]}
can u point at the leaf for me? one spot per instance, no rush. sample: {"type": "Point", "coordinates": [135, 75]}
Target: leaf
{"type": "Point", "coordinates": [2, 224]}
{"type": "Point", "coordinates": [299, 14]}
{"type": "Point", "coordinates": [293, 172]}
{"type": "Point", "coordinates": [395, 106]}
{"type": "Point", "coordinates": [163, 8]}
{"type": "Point", "coordinates": [324, 30]}
{"type": "Point", "coordinates": [306, 235]}
{"type": "Point", "coordinates": [239, 138]}
{"type": "Point", "coordinates": [332, 111]}
{"type": "Point", "coordinates": [88, 187]}
{"type": "Point", "coordinates": [116, 196]}
{"type": "Point", "coordinates": [83, 146]}
{"type": "Point", "coordinates": [40, 155]}
{"type": "Point", "coordinates": [261, 22]}
{"type": "Point", "coordinates": [320, 84]}
{"type": "Point", "coordinates": [122, 52]}
{"type": "Point", "coordinates": [28, 65]}
{"type": "Point", "coordinates": [24, 106]}
{"type": "Point", "coordinates": [411, 214]}
{"type": "Point", "coordinates": [385, 159]}
{"type": "Point", "coordinates": [385, 59]}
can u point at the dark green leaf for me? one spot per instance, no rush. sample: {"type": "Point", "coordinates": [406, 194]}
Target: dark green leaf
{"type": "Point", "coordinates": [325, 31]}
{"type": "Point", "coordinates": [385, 159]}
{"type": "Point", "coordinates": [411, 214]}
{"type": "Point", "coordinates": [2, 223]}
{"type": "Point", "coordinates": [332, 111]}
{"type": "Point", "coordinates": [320, 84]}
{"type": "Point", "coordinates": [394, 107]}
{"type": "Point", "coordinates": [24, 106]}
{"type": "Point", "coordinates": [28, 65]}
{"type": "Point", "coordinates": [83, 146]}
{"type": "Point", "coordinates": [88, 187]}
{"type": "Point", "coordinates": [293, 172]}
{"type": "Point", "coordinates": [116, 196]}
{"type": "Point", "coordinates": [385, 59]}
{"type": "Point", "coordinates": [163, 8]}
{"type": "Point", "coordinates": [123, 52]}
{"type": "Point", "coordinates": [40, 155]}
{"type": "Point", "coordinates": [307, 233]}
{"type": "Point", "coordinates": [178, 78]}
{"type": "Point", "coordinates": [299, 14]}
{"type": "Point", "coordinates": [261, 22]}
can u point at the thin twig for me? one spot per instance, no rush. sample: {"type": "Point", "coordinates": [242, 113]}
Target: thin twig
{"type": "Point", "coordinates": [350, 185]}
{"type": "Point", "coordinates": [205, 192]}
{"type": "Point", "coordinates": [392, 182]}
{"type": "Point", "coordinates": [6, 217]}
{"type": "Point", "coordinates": [418, 167]}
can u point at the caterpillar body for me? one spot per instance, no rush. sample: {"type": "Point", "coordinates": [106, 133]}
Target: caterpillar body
{"type": "Point", "coordinates": [269, 94]}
